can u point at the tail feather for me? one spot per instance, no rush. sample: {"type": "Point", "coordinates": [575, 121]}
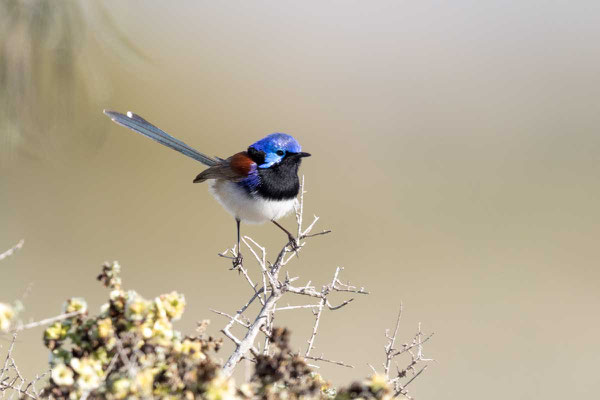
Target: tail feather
{"type": "Point", "coordinates": [140, 125]}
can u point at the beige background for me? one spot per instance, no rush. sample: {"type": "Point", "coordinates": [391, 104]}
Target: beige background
{"type": "Point", "coordinates": [455, 156]}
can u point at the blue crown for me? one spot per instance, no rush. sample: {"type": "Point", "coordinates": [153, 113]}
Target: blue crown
{"type": "Point", "coordinates": [277, 141]}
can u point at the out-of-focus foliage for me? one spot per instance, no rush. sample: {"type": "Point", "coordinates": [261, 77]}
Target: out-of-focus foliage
{"type": "Point", "coordinates": [7, 314]}
{"type": "Point", "coordinates": [50, 87]}
{"type": "Point", "coordinates": [130, 350]}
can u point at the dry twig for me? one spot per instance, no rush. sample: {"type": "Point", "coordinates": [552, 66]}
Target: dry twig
{"type": "Point", "coordinates": [12, 250]}
{"type": "Point", "coordinates": [417, 357]}
{"type": "Point", "coordinates": [274, 288]}
{"type": "Point", "coordinates": [11, 378]}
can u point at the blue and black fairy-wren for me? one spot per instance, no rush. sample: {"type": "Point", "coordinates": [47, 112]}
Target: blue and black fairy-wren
{"type": "Point", "coordinates": [255, 186]}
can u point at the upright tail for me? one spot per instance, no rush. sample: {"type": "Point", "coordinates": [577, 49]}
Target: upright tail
{"type": "Point", "coordinates": [140, 125]}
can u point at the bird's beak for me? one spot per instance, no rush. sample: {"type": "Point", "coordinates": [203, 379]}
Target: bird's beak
{"type": "Point", "coordinates": [302, 154]}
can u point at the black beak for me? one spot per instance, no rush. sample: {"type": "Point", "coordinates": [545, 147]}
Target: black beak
{"type": "Point", "coordinates": [302, 154]}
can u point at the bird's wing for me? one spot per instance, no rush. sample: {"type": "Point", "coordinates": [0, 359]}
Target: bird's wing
{"type": "Point", "coordinates": [140, 125]}
{"type": "Point", "coordinates": [236, 168]}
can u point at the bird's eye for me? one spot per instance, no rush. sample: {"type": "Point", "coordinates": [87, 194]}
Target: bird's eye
{"type": "Point", "coordinates": [280, 152]}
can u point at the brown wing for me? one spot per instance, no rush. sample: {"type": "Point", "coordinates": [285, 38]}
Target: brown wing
{"type": "Point", "coordinates": [235, 168]}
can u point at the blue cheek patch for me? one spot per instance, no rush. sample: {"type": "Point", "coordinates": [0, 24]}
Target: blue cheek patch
{"type": "Point", "coordinates": [270, 159]}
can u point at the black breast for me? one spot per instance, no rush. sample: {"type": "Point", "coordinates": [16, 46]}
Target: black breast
{"type": "Point", "coordinates": [280, 182]}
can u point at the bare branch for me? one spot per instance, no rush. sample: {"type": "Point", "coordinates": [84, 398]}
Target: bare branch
{"type": "Point", "coordinates": [12, 250]}
{"type": "Point", "coordinates": [17, 382]}
{"type": "Point", "coordinates": [299, 206]}
{"type": "Point", "coordinates": [389, 348]}
{"type": "Point", "coordinates": [333, 308]}
{"type": "Point", "coordinates": [402, 388]}
{"type": "Point", "coordinates": [261, 259]}
{"type": "Point", "coordinates": [325, 232]}
{"type": "Point", "coordinates": [311, 341]}
{"type": "Point", "coordinates": [296, 307]}
{"type": "Point", "coordinates": [346, 287]}
{"type": "Point", "coordinates": [408, 347]}
{"type": "Point", "coordinates": [269, 298]}
{"type": "Point", "coordinates": [232, 318]}
{"type": "Point", "coordinates": [372, 368]}
{"type": "Point", "coordinates": [246, 344]}
{"type": "Point", "coordinates": [48, 321]}
{"type": "Point", "coordinates": [341, 363]}
{"type": "Point", "coordinates": [391, 353]}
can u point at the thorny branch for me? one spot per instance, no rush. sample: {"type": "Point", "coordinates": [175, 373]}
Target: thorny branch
{"type": "Point", "coordinates": [274, 288]}
{"type": "Point", "coordinates": [11, 379]}
{"type": "Point", "coordinates": [389, 347]}
{"type": "Point", "coordinates": [47, 321]}
{"type": "Point", "coordinates": [414, 349]}
{"type": "Point", "coordinates": [320, 358]}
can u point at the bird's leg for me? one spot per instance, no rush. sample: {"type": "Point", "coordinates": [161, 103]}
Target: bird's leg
{"type": "Point", "coordinates": [291, 237]}
{"type": "Point", "coordinates": [237, 261]}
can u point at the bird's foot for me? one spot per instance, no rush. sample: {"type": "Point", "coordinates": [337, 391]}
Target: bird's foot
{"type": "Point", "coordinates": [293, 243]}
{"type": "Point", "coordinates": [237, 261]}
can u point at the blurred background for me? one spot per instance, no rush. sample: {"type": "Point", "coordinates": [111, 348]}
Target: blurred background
{"type": "Point", "coordinates": [455, 157]}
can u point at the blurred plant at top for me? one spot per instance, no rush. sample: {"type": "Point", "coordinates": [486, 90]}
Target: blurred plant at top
{"type": "Point", "coordinates": [50, 84]}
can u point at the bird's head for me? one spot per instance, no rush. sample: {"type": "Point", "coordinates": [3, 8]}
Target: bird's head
{"type": "Point", "coordinates": [273, 149]}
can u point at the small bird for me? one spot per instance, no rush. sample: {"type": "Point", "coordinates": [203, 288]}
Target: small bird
{"type": "Point", "coordinates": [255, 186]}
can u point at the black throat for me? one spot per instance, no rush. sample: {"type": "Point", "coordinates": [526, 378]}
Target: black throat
{"type": "Point", "coordinates": [280, 181]}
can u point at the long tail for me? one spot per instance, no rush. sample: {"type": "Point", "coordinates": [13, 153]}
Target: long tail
{"type": "Point", "coordinates": [140, 125]}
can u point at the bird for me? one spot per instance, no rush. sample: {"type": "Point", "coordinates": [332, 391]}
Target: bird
{"type": "Point", "coordinates": [257, 185]}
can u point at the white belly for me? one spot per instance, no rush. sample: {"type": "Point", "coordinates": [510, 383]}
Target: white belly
{"type": "Point", "coordinates": [247, 208]}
